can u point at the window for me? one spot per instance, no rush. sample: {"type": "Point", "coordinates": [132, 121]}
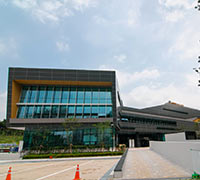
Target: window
{"type": "Point", "coordinates": [29, 112]}
{"type": "Point", "coordinates": [88, 95]}
{"type": "Point", "coordinates": [95, 110]}
{"type": "Point", "coordinates": [41, 95]}
{"type": "Point", "coordinates": [102, 96]}
{"type": "Point", "coordinates": [24, 95]}
{"type": "Point", "coordinates": [45, 112]}
{"type": "Point", "coordinates": [72, 95]}
{"type": "Point", "coordinates": [54, 111]}
{"type": "Point", "coordinates": [84, 102]}
{"type": "Point", "coordinates": [57, 94]}
{"type": "Point", "coordinates": [33, 93]}
{"type": "Point", "coordinates": [109, 111]}
{"type": "Point", "coordinates": [79, 109]}
{"type": "Point", "coordinates": [21, 111]}
{"type": "Point", "coordinates": [65, 95]}
{"type": "Point", "coordinates": [63, 110]}
{"type": "Point", "coordinates": [95, 96]}
{"type": "Point", "coordinates": [71, 110]}
{"type": "Point", "coordinates": [49, 95]}
{"type": "Point", "coordinates": [80, 96]}
{"type": "Point", "coordinates": [37, 112]}
{"type": "Point", "coordinates": [102, 112]}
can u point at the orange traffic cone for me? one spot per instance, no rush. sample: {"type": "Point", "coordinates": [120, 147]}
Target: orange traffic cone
{"type": "Point", "coordinates": [9, 174]}
{"type": "Point", "coordinates": [77, 175]}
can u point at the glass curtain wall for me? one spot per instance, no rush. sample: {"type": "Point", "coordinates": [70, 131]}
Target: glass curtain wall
{"type": "Point", "coordinates": [64, 102]}
{"type": "Point", "coordinates": [60, 138]}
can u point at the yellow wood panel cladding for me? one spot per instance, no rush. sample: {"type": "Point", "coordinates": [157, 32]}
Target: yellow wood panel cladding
{"type": "Point", "coordinates": [55, 82]}
{"type": "Point", "coordinates": [16, 91]}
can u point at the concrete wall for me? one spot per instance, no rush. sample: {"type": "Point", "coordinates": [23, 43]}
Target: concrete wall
{"type": "Point", "coordinates": [175, 137]}
{"type": "Point", "coordinates": [9, 156]}
{"type": "Point", "coordinates": [177, 152]}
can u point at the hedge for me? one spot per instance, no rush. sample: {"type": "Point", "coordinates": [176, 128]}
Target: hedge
{"type": "Point", "coordinates": [86, 154]}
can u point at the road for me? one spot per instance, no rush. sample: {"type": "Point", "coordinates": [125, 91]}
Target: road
{"type": "Point", "coordinates": [90, 168]}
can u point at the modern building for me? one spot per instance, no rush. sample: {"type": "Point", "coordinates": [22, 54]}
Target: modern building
{"type": "Point", "coordinates": [59, 107]}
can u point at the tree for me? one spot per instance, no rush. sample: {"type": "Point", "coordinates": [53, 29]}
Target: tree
{"type": "Point", "coordinates": [102, 127]}
{"type": "Point", "coordinates": [70, 125]}
{"type": "Point", "coordinates": [198, 5]}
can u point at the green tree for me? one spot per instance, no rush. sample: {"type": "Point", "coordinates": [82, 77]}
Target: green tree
{"type": "Point", "coordinates": [70, 125]}
{"type": "Point", "coordinates": [102, 127]}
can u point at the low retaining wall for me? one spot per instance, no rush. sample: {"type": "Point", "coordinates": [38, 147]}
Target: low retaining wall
{"type": "Point", "coordinates": [9, 156]}
{"type": "Point", "coordinates": [118, 171]}
{"type": "Point", "coordinates": [178, 152]}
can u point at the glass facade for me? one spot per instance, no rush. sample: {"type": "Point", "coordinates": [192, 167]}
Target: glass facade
{"type": "Point", "coordinates": [59, 138]}
{"type": "Point", "coordinates": [64, 102]}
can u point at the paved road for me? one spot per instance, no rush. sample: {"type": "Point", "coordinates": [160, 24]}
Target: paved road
{"type": "Point", "coordinates": [143, 163]}
{"type": "Point", "coordinates": [90, 168]}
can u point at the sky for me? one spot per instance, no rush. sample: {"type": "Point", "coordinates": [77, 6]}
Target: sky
{"type": "Point", "coordinates": [152, 45]}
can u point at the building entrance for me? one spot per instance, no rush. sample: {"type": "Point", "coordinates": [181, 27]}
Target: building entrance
{"type": "Point", "coordinates": [141, 140]}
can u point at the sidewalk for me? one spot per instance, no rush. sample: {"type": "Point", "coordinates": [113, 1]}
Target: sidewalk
{"type": "Point", "coordinates": [143, 163]}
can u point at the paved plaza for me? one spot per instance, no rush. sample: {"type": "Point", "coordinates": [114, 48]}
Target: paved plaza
{"type": "Point", "coordinates": [90, 169]}
{"type": "Point", "coordinates": [143, 163]}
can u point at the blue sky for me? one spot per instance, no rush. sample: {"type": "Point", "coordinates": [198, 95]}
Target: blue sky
{"type": "Point", "coordinates": [153, 45]}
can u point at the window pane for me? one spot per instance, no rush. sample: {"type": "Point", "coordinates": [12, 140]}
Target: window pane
{"type": "Point", "coordinates": [102, 109]}
{"type": "Point", "coordinates": [41, 95]}
{"type": "Point", "coordinates": [95, 96]}
{"type": "Point", "coordinates": [108, 97]}
{"type": "Point", "coordinates": [45, 112]}
{"type": "Point", "coordinates": [87, 109]}
{"type": "Point", "coordinates": [29, 112]}
{"type": "Point", "coordinates": [79, 109]}
{"type": "Point", "coordinates": [65, 95]}
{"type": "Point", "coordinates": [49, 95]}
{"type": "Point", "coordinates": [20, 113]}
{"type": "Point", "coordinates": [88, 95]}
{"type": "Point", "coordinates": [72, 95]}
{"type": "Point", "coordinates": [54, 111]}
{"type": "Point", "coordinates": [57, 93]}
{"type": "Point", "coordinates": [80, 96]}
{"type": "Point", "coordinates": [71, 110]}
{"type": "Point", "coordinates": [37, 111]}
{"type": "Point", "coordinates": [109, 111]}
{"type": "Point", "coordinates": [63, 110]}
{"type": "Point", "coordinates": [95, 109]}
{"type": "Point", "coordinates": [33, 93]}
{"type": "Point", "coordinates": [102, 96]}
{"type": "Point", "coordinates": [24, 95]}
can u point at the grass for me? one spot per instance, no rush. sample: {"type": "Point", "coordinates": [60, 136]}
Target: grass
{"type": "Point", "coordinates": [10, 139]}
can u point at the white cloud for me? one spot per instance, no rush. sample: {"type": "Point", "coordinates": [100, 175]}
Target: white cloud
{"type": "Point", "coordinates": [120, 58]}
{"type": "Point", "coordinates": [146, 95]}
{"type": "Point", "coordinates": [100, 20]}
{"type": "Point", "coordinates": [53, 10]}
{"type": "Point", "coordinates": [133, 17]}
{"type": "Point", "coordinates": [174, 10]}
{"type": "Point", "coordinates": [127, 78]}
{"type": "Point", "coordinates": [174, 16]}
{"type": "Point", "coordinates": [8, 47]}
{"type": "Point", "coordinates": [186, 4]}
{"type": "Point", "coordinates": [186, 45]}
{"type": "Point", "coordinates": [25, 4]}
{"type": "Point", "coordinates": [62, 46]}
{"type": "Point", "coordinates": [3, 105]}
